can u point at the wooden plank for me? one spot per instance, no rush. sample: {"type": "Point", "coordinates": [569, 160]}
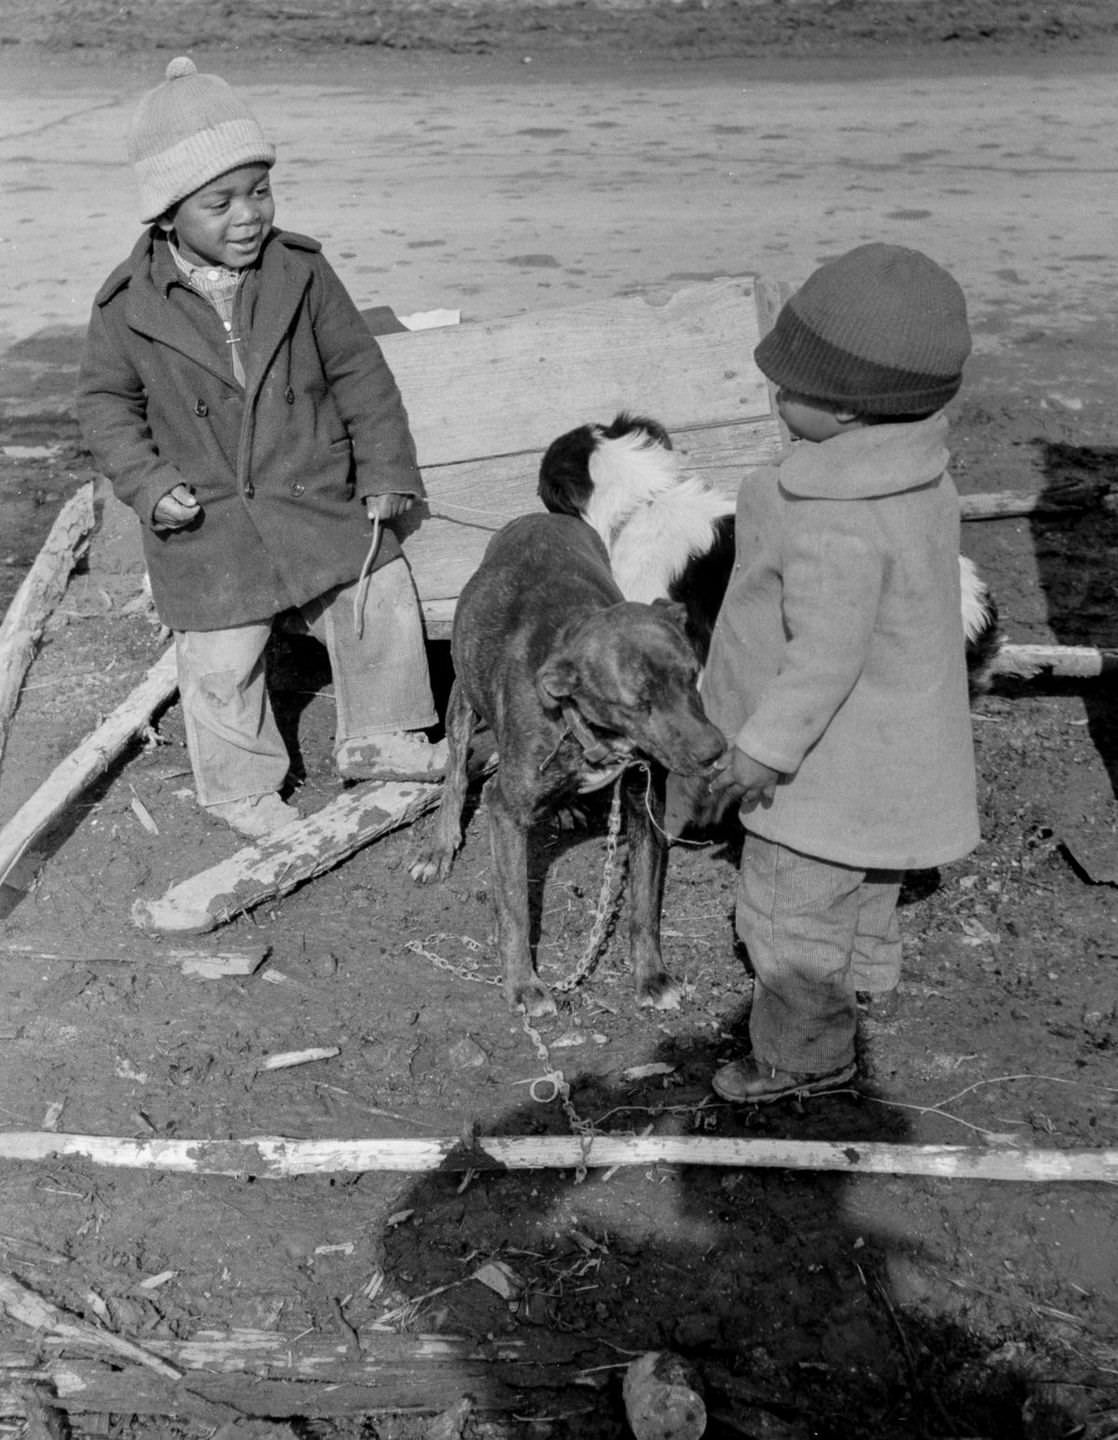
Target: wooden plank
{"type": "Point", "coordinates": [92, 758]}
{"type": "Point", "coordinates": [471, 500]}
{"type": "Point", "coordinates": [277, 1157]}
{"type": "Point", "coordinates": [285, 859]}
{"type": "Point", "coordinates": [1005, 504]}
{"type": "Point", "coordinates": [508, 386]}
{"type": "Point", "coordinates": [87, 1388]}
{"type": "Point", "coordinates": [298, 1374]}
{"type": "Point", "coordinates": [1063, 662]}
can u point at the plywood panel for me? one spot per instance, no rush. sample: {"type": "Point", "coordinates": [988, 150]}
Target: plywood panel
{"type": "Point", "coordinates": [508, 386]}
{"type": "Point", "coordinates": [469, 501]}
{"type": "Point", "coordinates": [486, 399]}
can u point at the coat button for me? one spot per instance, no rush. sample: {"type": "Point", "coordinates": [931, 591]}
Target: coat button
{"type": "Point", "coordinates": [297, 488]}
{"type": "Point", "coordinates": [201, 409]}
{"type": "Point", "coordinates": [289, 395]}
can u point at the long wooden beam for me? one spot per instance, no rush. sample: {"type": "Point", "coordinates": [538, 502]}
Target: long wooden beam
{"type": "Point", "coordinates": [274, 1157]}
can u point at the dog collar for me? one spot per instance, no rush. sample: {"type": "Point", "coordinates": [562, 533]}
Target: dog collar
{"type": "Point", "coordinates": [594, 748]}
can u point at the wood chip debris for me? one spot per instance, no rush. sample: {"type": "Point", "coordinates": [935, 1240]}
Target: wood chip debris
{"type": "Point", "coordinates": [288, 1058]}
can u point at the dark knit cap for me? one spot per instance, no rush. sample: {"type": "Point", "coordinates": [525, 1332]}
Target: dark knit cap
{"type": "Point", "coordinates": [881, 330]}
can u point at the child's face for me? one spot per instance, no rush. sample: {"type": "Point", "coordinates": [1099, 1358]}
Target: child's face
{"type": "Point", "coordinates": [809, 419]}
{"type": "Point", "coordinates": [227, 221]}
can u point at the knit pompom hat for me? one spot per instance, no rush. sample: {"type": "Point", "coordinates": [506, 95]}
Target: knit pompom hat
{"type": "Point", "coordinates": [881, 330]}
{"type": "Point", "coordinates": [188, 131]}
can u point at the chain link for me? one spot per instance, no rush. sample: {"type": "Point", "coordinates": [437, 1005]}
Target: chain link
{"type": "Point", "coordinates": [599, 930]}
{"type": "Point", "coordinates": [422, 947]}
{"type": "Point", "coordinates": [560, 1090]}
{"type": "Point", "coordinates": [606, 900]}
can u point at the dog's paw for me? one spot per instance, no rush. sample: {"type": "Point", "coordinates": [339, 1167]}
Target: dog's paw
{"type": "Point", "coordinates": [531, 996]}
{"type": "Point", "coordinates": [431, 865]}
{"type": "Point", "coordinates": [569, 818]}
{"type": "Point", "coordinates": [659, 992]}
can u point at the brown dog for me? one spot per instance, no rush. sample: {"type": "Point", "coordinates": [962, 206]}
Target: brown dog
{"type": "Point", "coordinates": [577, 684]}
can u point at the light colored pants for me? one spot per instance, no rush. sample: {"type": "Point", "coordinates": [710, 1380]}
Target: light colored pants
{"type": "Point", "coordinates": [816, 933]}
{"type": "Point", "coordinates": [381, 683]}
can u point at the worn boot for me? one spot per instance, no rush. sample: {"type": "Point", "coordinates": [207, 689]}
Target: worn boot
{"type": "Point", "coordinates": [255, 815]}
{"type": "Point", "coordinates": [405, 755]}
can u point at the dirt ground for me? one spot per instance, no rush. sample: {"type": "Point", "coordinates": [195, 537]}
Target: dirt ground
{"type": "Point", "coordinates": [812, 1305]}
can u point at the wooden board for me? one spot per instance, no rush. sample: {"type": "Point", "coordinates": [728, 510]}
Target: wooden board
{"type": "Point", "coordinates": [486, 399]}
{"type": "Point", "coordinates": [470, 500]}
{"type": "Point", "coordinates": [510, 386]}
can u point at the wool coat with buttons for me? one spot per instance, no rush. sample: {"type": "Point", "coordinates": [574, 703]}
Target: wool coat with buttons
{"type": "Point", "coordinates": [279, 466]}
{"type": "Point", "coordinates": [838, 657]}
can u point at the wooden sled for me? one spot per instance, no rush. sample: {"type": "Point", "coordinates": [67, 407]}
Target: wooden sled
{"type": "Point", "coordinates": [486, 399]}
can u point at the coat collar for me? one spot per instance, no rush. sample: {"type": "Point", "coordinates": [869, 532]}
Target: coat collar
{"type": "Point", "coordinates": [150, 273]}
{"type": "Point", "coordinates": [873, 461]}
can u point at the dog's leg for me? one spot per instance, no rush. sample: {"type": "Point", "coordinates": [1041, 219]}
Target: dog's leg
{"type": "Point", "coordinates": [648, 848]}
{"type": "Point", "coordinates": [435, 861]}
{"type": "Point", "coordinates": [508, 841]}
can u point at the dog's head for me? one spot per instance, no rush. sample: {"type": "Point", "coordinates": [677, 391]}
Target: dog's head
{"type": "Point", "coordinates": [631, 675]}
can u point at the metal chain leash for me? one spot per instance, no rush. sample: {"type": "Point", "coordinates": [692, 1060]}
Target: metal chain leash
{"type": "Point", "coordinates": [599, 929]}
{"type": "Point", "coordinates": [422, 947]}
{"type": "Point", "coordinates": [561, 1091]}
{"type": "Point", "coordinates": [554, 1078]}
{"type": "Point", "coordinates": [603, 913]}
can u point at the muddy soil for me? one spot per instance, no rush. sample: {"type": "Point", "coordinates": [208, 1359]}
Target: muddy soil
{"type": "Point", "coordinates": [813, 1305]}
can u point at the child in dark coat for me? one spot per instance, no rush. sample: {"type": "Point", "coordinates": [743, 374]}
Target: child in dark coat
{"type": "Point", "coordinates": [837, 668]}
{"type": "Point", "coordinates": [232, 393]}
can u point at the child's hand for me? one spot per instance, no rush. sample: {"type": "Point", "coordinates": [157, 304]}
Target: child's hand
{"type": "Point", "coordinates": [738, 775]}
{"type": "Point", "coordinates": [387, 507]}
{"type": "Point", "coordinates": [177, 509]}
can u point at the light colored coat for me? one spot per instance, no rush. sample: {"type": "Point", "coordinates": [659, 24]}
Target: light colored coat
{"type": "Point", "coordinates": [280, 466]}
{"type": "Point", "coordinates": [838, 655]}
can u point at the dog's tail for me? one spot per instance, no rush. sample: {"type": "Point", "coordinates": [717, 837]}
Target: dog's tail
{"type": "Point", "coordinates": [981, 630]}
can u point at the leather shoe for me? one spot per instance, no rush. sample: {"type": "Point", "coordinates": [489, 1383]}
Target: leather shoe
{"type": "Point", "coordinates": [745, 1082]}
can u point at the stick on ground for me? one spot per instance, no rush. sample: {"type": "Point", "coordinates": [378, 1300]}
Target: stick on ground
{"type": "Point", "coordinates": [92, 758]}
{"type": "Point", "coordinates": [40, 591]}
{"type": "Point", "coordinates": [276, 1158]}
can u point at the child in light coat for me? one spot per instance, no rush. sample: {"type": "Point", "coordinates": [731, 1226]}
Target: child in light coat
{"type": "Point", "coordinates": [232, 393]}
{"type": "Point", "coordinates": [837, 667]}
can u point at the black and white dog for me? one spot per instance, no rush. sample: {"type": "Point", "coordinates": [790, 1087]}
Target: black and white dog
{"type": "Point", "coordinates": [672, 535]}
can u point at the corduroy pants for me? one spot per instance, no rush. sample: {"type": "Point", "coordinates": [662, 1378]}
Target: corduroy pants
{"type": "Point", "coordinates": [381, 683]}
{"type": "Point", "coordinates": [816, 933]}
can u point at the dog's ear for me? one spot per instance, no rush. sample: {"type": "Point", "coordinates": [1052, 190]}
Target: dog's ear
{"type": "Point", "coordinates": [556, 680]}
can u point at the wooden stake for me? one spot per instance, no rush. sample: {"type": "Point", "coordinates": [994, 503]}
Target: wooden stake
{"type": "Point", "coordinates": [39, 593]}
{"type": "Point", "coordinates": [92, 758]}
{"type": "Point", "coordinates": [1004, 504]}
{"type": "Point", "coordinates": [1065, 662]}
{"type": "Point", "coordinates": [273, 1157]}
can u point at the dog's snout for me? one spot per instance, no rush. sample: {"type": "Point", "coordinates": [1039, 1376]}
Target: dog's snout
{"type": "Point", "coordinates": [707, 745]}
{"type": "Point", "coordinates": [688, 743]}
{"type": "Point", "coordinates": [714, 748]}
